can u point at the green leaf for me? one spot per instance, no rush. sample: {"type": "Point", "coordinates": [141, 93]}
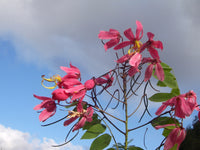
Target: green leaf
{"type": "Point", "coordinates": [94, 121]}
{"type": "Point", "coordinates": [170, 80]}
{"type": "Point", "coordinates": [111, 149]}
{"type": "Point", "coordinates": [166, 132]}
{"type": "Point", "coordinates": [161, 84]}
{"type": "Point", "coordinates": [175, 92]}
{"type": "Point", "coordinates": [160, 97]}
{"type": "Point", "coordinates": [165, 67]}
{"type": "Point", "coordinates": [163, 121]}
{"type": "Point", "coordinates": [101, 142]}
{"type": "Point", "coordinates": [94, 131]}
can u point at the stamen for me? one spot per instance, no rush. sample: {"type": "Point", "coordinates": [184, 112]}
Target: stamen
{"type": "Point", "coordinates": [54, 79]}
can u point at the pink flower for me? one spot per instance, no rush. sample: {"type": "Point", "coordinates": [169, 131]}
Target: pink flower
{"type": "Point", "coordinates": [159, 72]}
{"type": "Point", "coordinates": [132, 39]}
{"type": "Point", "coordinates": [85, 115]}
{"type": "Point", "coordinates": [72, 72]}
{"type": "Point", "coordinates": [151, 45]}
{"type": "Point", "coordinates": [113, 35]}
{"type": "Point", "coordinates": [106, 79]}
{"type": "Point", "coordinates": [79, 91]}
{"type": "Point", "coordinates": [176, 136]}
{"type": "Point", "coordinates": [48, 104]}
{"type": "Point", "coordinates": [183, 105]}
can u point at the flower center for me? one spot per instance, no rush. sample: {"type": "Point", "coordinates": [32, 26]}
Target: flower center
{"type": "Point", "coordinates": [72, 114]}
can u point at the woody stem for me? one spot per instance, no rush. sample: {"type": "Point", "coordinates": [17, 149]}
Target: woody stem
{"type": "Point", "coordinates": [126, 108]}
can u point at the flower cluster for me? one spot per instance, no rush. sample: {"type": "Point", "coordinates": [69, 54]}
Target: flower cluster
{"type": "Point", "coordinates": [136, 47]}
{"type": "Point", "coordinates": [70, 87]}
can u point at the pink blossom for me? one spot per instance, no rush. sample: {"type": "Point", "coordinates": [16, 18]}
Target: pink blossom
{"type": "Point", "coordinates": [183, 105]}
{"type": "Point", "coordinates": [176, 136]}
{"type": "Point", "coordinates": [79, 91]}
{"type": "Point", "coordinates": [151, 45]}
{"type": "Point", "coordinates": [48, 104]}
{"type": "Point", "coordinates": [132, 39]}
{"type": "Point", "coordinates": [113, 35]}
{"type": "Point", "coordinates": [85, 115]}
{"type": "Point", "coordinates": [106, 79]}
{"type": "Point", "coordinates": [159, 72]}
{"type": "Point", "coordinates": [72, 72]}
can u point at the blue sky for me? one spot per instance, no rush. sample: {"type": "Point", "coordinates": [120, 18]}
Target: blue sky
{"type": "Point", "coordinates": [36, 37]}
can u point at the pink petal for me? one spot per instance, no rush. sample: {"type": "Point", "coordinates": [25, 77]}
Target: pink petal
{"type": "Point", "coordinates": [73, 70]}
{"type": "Point", "coordinates": [100, 81]}
{"type": "Point", "coordinates": [159, 72]}
{"type": "Point", "coordinates": [157, 44]}
{"type": "Point", "coordinates": [148, 72]}
{"type": "Point", "coordinates": [171, 139]}
{"type": "Point", "coordinates": [71, 82]}
{"type": "Point", "coordinates": [111, 34]}
{"type": "Point", "coordinates": [135, 60]}
{"type": "Point", "coordinates": [89, 112]}
{"type": "Point", "coordinates": [59, 94]}
{"type": "Point", "coordinates": [139, 30]}
{"type": "Point", "coordinates": [89, 84]}
{"type": "Point", "coordinates": [181, 137]}
{"type": "Point", "coordinates": [75, 89]}
{"type": "Point", "coordinates": [182, 108]}
{"type": "Point", "coordinates": [129, 34]}
{"type": "Point", "coordinates": [161, 109]}
{"type": "Point", "coordinates": [80, 124]}
{"type": "Point", "coordinates": [122, 45]}
{"type": "Point", "coordinates": [150, 36]}
{"type": "Point", "coordinates": [111, 43]}
{"type": "Point", "coordinates": [38, 107]}
{"type": "Point", "coordinates": [154, 53]}
{"type": "Point", "coordinates": [67, 122]}
{"type": "Point", "coordinates": [44, 115]}
{"type": "Point", "coordinates": [124, 58]}
{"type": "Point", "coordinates": [79, 107]}
{"type": "Point", "coordinates": [42, 97]}
{"type": "Point", "coordinates": [132, 71]}
{"type": "Point", "coordinates": [78, 95]}
{"type": "Point", "coordinates": [146, 60]}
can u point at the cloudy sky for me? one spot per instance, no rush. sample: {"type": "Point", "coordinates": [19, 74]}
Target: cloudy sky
{"type": "Point", "coordinates": [38, 36]}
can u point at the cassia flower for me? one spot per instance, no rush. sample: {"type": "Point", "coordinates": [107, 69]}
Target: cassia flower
{"type": "Point", "coordinates": [106, 79]}
{"type": "Point", "coordinates": [133, 40]}
{"type": "Point", "coordinates": [183, 105]}
{"type": "Point", "coordinates": [176, 136]}
{"type": "Point", "coordinates": [85, 115]}
{"type": "Point", "coordinates": [151, 45]}
{"type": "Point", "coordinates": [159, 72]}
{"type": "Point", "coordinates": [79, 91]}
{"type": "Point", "coordinates": [49, 106]}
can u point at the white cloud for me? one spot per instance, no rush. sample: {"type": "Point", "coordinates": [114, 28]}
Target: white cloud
{"type": "Point", "coordinates": [11, 139]}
